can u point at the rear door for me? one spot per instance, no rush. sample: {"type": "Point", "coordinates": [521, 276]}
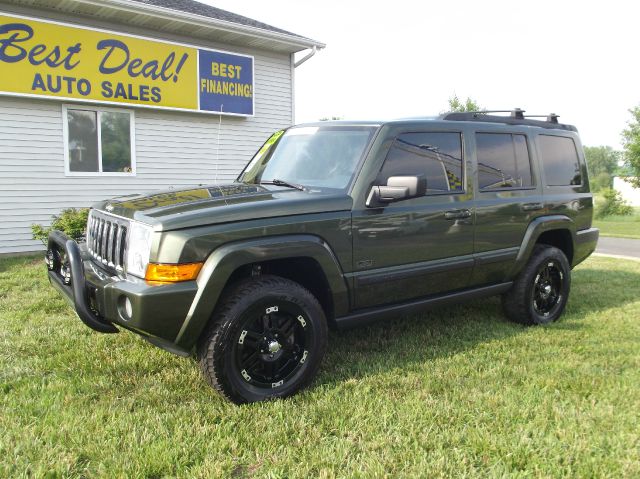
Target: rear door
{"type": "Point", "coordinates": [508, 198]}
{"type": "Point", "coordinates": [419, 246]}
{"type": "Point", "coordinates": [566, 186]}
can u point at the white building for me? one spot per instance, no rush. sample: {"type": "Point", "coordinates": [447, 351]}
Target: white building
{"type": "Point", "coordinates": [106, 98]}
{"type": "Point", "coordinates": [630, 194]}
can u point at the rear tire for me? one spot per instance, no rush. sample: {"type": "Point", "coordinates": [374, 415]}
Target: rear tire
{"type": "Point", "coordinates": [540, 292]}
{"type": "Point", "coordinates": [266, 340]}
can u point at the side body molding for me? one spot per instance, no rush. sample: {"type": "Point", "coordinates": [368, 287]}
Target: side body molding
{"type": "Point", "coordinates": [533, 232]}
{"type": "Point", "coordinates": [226, 259]}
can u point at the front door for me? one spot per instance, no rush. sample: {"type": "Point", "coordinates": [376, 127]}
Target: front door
{"type": "Point", "coordinates": [420, 246]}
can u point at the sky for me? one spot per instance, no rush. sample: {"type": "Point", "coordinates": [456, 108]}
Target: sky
{"type": "Point", "coordinates": [404, 58]}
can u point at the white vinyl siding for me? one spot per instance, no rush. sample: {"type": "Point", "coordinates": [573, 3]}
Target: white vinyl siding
{"type": "Point", "coordinates": [171, 149]}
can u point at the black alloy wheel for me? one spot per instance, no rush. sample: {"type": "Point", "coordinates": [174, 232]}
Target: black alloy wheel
{"type": "Point", "coordinates": [547, 288]}
{"type": "Point", "coordinates": [266, 340]}
{"type": "Point", "coordinates": [271, 346]}
{"type": "Point", "coordinates": [540, 292]}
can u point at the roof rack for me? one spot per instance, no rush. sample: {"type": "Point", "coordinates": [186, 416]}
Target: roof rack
{"type": "Point", "coordinates": [516, 117]}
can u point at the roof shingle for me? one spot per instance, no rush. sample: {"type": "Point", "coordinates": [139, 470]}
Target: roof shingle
{"type": "Point", "coordinates": [197, 8]}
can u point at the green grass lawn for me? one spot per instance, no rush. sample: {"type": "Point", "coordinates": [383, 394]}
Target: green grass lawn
{"type": "Point", "coordinates": [620, 226]}
{"type": "Point", "coordinates": [456, 392]}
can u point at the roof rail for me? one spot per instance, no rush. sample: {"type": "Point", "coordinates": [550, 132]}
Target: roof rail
{"type": "Point", "coordinates": [550, 118]}
{"type": "Point", "coordinates": [516, 117]}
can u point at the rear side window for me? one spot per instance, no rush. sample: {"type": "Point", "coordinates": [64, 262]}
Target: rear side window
{"type": "Point", "coordinates": [503, 161]}
{"type": "Point", "coordinates": [560, 160]}
{"type": "Point", "coordinates": [437, 156]}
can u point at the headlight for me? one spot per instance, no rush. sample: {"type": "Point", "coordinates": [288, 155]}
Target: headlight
{"type": "Point", "coordinates": [138, 249]}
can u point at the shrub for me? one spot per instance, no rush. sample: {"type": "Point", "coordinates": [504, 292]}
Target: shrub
{"type": "Point", "coordinates": [612, 204]}
{"type": "Point", "coordinates": [601, 181]}
{"type": "Point", "coordinates": [70, 221]}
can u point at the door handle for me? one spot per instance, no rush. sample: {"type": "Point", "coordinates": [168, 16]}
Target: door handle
{"type": "Point", "coordinates": [532, 206]}
{"type": "Point", "coordinates": [457, 214]}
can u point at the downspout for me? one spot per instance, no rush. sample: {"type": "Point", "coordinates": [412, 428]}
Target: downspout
{"type": "Point", "coordinates": [292, 67]}
{"type": "Point", "coordinates": [313, 51]}
{"type": "Point", "coordinates": [295, 65]}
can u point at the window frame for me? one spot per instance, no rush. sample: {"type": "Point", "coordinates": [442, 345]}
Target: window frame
{"type": "Point", "coordinates": [98, 110]}
{"type": "Point", "coordinates": [534, 184]}
{"type": "Point", "coordinates": [462, 160]}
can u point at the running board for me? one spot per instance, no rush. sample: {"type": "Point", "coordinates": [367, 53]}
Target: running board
{"type": "Point", "coordinates": [369, 315]}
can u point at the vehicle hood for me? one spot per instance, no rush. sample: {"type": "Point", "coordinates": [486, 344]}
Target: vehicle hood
{"type": "Point", "coordinates": [212, 204]}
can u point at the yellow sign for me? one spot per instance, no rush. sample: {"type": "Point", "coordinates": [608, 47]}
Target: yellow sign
{"type": "Point", "coordinates": [57, 60]}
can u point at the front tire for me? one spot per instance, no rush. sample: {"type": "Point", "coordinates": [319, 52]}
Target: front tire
{"type": "Point", "coordinates": [541, 290]}
{"type": "Point", "coordinates": [266, 340]}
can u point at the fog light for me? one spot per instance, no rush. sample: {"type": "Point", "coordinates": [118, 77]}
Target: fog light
{"type": "Point", "coordinates": [126, 308]}
{"type": "Point", "coordinates": [65, 272]}
{"type": "Point", "coordinates": [50, 260]}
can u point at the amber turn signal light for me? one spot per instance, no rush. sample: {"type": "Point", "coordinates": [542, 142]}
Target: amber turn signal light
{"type": "Point", "coordinates": [171, 273]}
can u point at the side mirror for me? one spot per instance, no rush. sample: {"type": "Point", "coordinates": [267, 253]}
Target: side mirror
{"type": "Point", "coordinates": [397, 188]}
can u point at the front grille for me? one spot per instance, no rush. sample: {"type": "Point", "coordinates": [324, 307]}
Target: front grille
{"type": "Point", "coordinates": [107, 239]}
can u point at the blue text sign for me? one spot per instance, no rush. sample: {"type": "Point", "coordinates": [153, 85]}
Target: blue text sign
{"type": "Point", "coordinates": [225, 82]}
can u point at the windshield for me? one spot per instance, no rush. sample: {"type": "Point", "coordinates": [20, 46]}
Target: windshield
{"type": "Point", "coordinates": [320, 156]}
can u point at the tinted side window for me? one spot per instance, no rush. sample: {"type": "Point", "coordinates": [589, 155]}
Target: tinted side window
{"type": "Point", "coordinates": [503, 161]}
{"type": "Point", "coordinates": [437, 156]}
{"type": "Point", "coordinates": [560, 160]}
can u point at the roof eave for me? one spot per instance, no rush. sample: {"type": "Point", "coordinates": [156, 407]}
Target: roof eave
{"type": "Point", "coordinates": [296, 42]}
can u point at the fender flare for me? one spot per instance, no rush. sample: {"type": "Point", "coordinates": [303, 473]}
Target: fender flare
{"type": "Point", "coordinates": [534, 230]}
{"type": "Point", "coordinates": [223, 261]}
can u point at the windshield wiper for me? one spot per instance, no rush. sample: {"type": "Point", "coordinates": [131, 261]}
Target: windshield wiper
{"type": "Point", "coordinates": [278, 182]}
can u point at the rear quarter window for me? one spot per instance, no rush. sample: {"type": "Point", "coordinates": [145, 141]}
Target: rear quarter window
{"type": "Point", "coordinates": [559, 160]}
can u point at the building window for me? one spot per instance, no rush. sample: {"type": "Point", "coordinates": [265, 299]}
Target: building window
{"type": "Point", "coordinates": [503, 161]}
{"type": "Point", "coordinates": [434, 155]}
{"type": "Point", "coordinates": [560, 160]}
{"type": "Point", "coordinates": [98, 141]}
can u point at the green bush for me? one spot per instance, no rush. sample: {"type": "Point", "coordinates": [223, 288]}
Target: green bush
{"type": "Point", "coordinates": [601, 181]}
{"type": "Point", "coordinates": [612, 204]}
{"type": "Point", "coordinates": [70, 221]}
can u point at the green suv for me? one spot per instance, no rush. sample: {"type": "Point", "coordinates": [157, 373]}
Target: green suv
{"type": "Point", "coordinates": [336, 224]}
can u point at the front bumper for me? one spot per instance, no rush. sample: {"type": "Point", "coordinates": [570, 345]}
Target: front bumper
{"type": "Point", "coordinates": [98, 296]}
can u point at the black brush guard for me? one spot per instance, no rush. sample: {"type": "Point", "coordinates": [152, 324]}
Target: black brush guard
{"type": "Point", "coordinates": [66, 273]}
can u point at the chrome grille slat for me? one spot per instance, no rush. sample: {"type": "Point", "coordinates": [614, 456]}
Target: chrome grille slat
{"type": "Point", "coordinates": [110, 236]}
{"type": "Point", "coordinates": [89, 235]}
{"type": "Point", "coordinates": [103, 242]}
{"type": "Point", "coordinates": [96, 239]}
{"type": "Point", "coordinates": [114, 240]}
{"type": "Point", "coordinates": [92, 234]}
{"type": "Point", "coordinates": [117, 245]}
{"type": "Point", "coordinates": [98, 236]}
{"type": "Point", "coordinates": [125, 246]}
{"type": "Point", "coordinates": [107, 239]}
{"type": "Point", "coordinates": [117, 254]}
